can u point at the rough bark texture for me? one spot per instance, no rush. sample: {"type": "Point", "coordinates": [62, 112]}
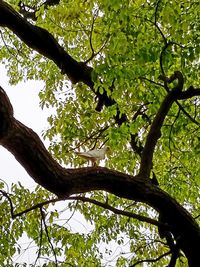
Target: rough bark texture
{"type": "Point", "coordinates": [28, 149]}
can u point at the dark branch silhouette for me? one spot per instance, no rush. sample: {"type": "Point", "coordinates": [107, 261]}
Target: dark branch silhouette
{"type": "Point", "coordinates": [151, 260]}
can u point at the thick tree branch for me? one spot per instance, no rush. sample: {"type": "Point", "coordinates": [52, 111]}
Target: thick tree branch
{"type": "Point", "coordinates": [190, 92]}
{"type": "Point", "coordinates": [43, 42]}
{"type": "Point", "coordinates": [155, 130]}
{"type": "Point", "coordinates": [28, 149]}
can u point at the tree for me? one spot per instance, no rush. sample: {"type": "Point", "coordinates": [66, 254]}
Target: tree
{"type": "Point", "coordinates": [121, 73]}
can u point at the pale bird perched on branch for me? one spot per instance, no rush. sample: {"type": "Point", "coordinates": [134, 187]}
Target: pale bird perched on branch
{"type": "Point", "coordinates": [94, 155]}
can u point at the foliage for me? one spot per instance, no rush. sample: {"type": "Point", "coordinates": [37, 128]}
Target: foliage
{"type": "Point", "coordinates": [129, 44]}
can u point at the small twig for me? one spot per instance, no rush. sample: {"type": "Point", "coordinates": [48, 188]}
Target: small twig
{"type": "Point", "coordinates": [5, 184]}
{"type": "Point", "coordinates": [96, 53]}
{"type": "Point", "coordinates": [156, 24]}
{"type": "Point", "coordinates": [153, 82]}
{"type": "Point", "coordinates": [6, 195]}
{"type": "Point", "coordinates": [96, 135]}
{"type": "Point", "coordinates": [39, 205]}
{"type": "Point", "coordinates": [40, 245]}
{"type": "Point", "coordinates": [47, 234]}
{"type": "Point", "coordinates": [72, 213]}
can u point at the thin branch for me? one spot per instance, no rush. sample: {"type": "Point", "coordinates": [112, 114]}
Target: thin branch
{"type": "Point", "coordinates": [83, 199]}
{"type": "Point", "coordinates": [91, 32]}
{"type": "Point", "coordinates": [118, 212]}
{"type": "Point", "coordinates": [40, 245]}
{"type": "Point", "coordinates": [39, 205]}
{"type": "Point", "coordinates": [96, 53]}
{"type": "Point", "coordinates": [47, 234]}
{"type": "Point", "coordinates": [156, 24]}
{"type": "Point", "coordinates": [6, 195]}
{"type": "Point", "coordinates": [5, 184]}
{"type": "Point", "coordinates": [167, 44]}
{"type": "Point", "coordinates": [170, 132]}
{"type": "Point", "coordinates": [187, 114]}
{"type": "Point", "coordinates": [156, 12]}
{"type": "Point", "coordinates": [95, 135]}
{"type": "Point", "coordinates": [151, 260]}
{"type": "Point", "coordinates": [72, 213]}
{"type": "Point", "coordinates": [153, 82]}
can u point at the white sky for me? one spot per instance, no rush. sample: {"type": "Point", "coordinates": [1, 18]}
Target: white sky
{"type": "Point", "coordinates": [25, 101]}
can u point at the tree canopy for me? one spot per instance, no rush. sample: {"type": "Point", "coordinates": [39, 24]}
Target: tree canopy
{"type": "Point", "coordinates": [119, 73]}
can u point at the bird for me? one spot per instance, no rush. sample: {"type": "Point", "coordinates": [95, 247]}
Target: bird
{"type": "Point", "coordinates": [94, 155]}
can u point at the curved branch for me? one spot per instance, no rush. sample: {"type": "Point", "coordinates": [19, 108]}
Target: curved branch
{"type": "Point", "coordinates": [155, 130]}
